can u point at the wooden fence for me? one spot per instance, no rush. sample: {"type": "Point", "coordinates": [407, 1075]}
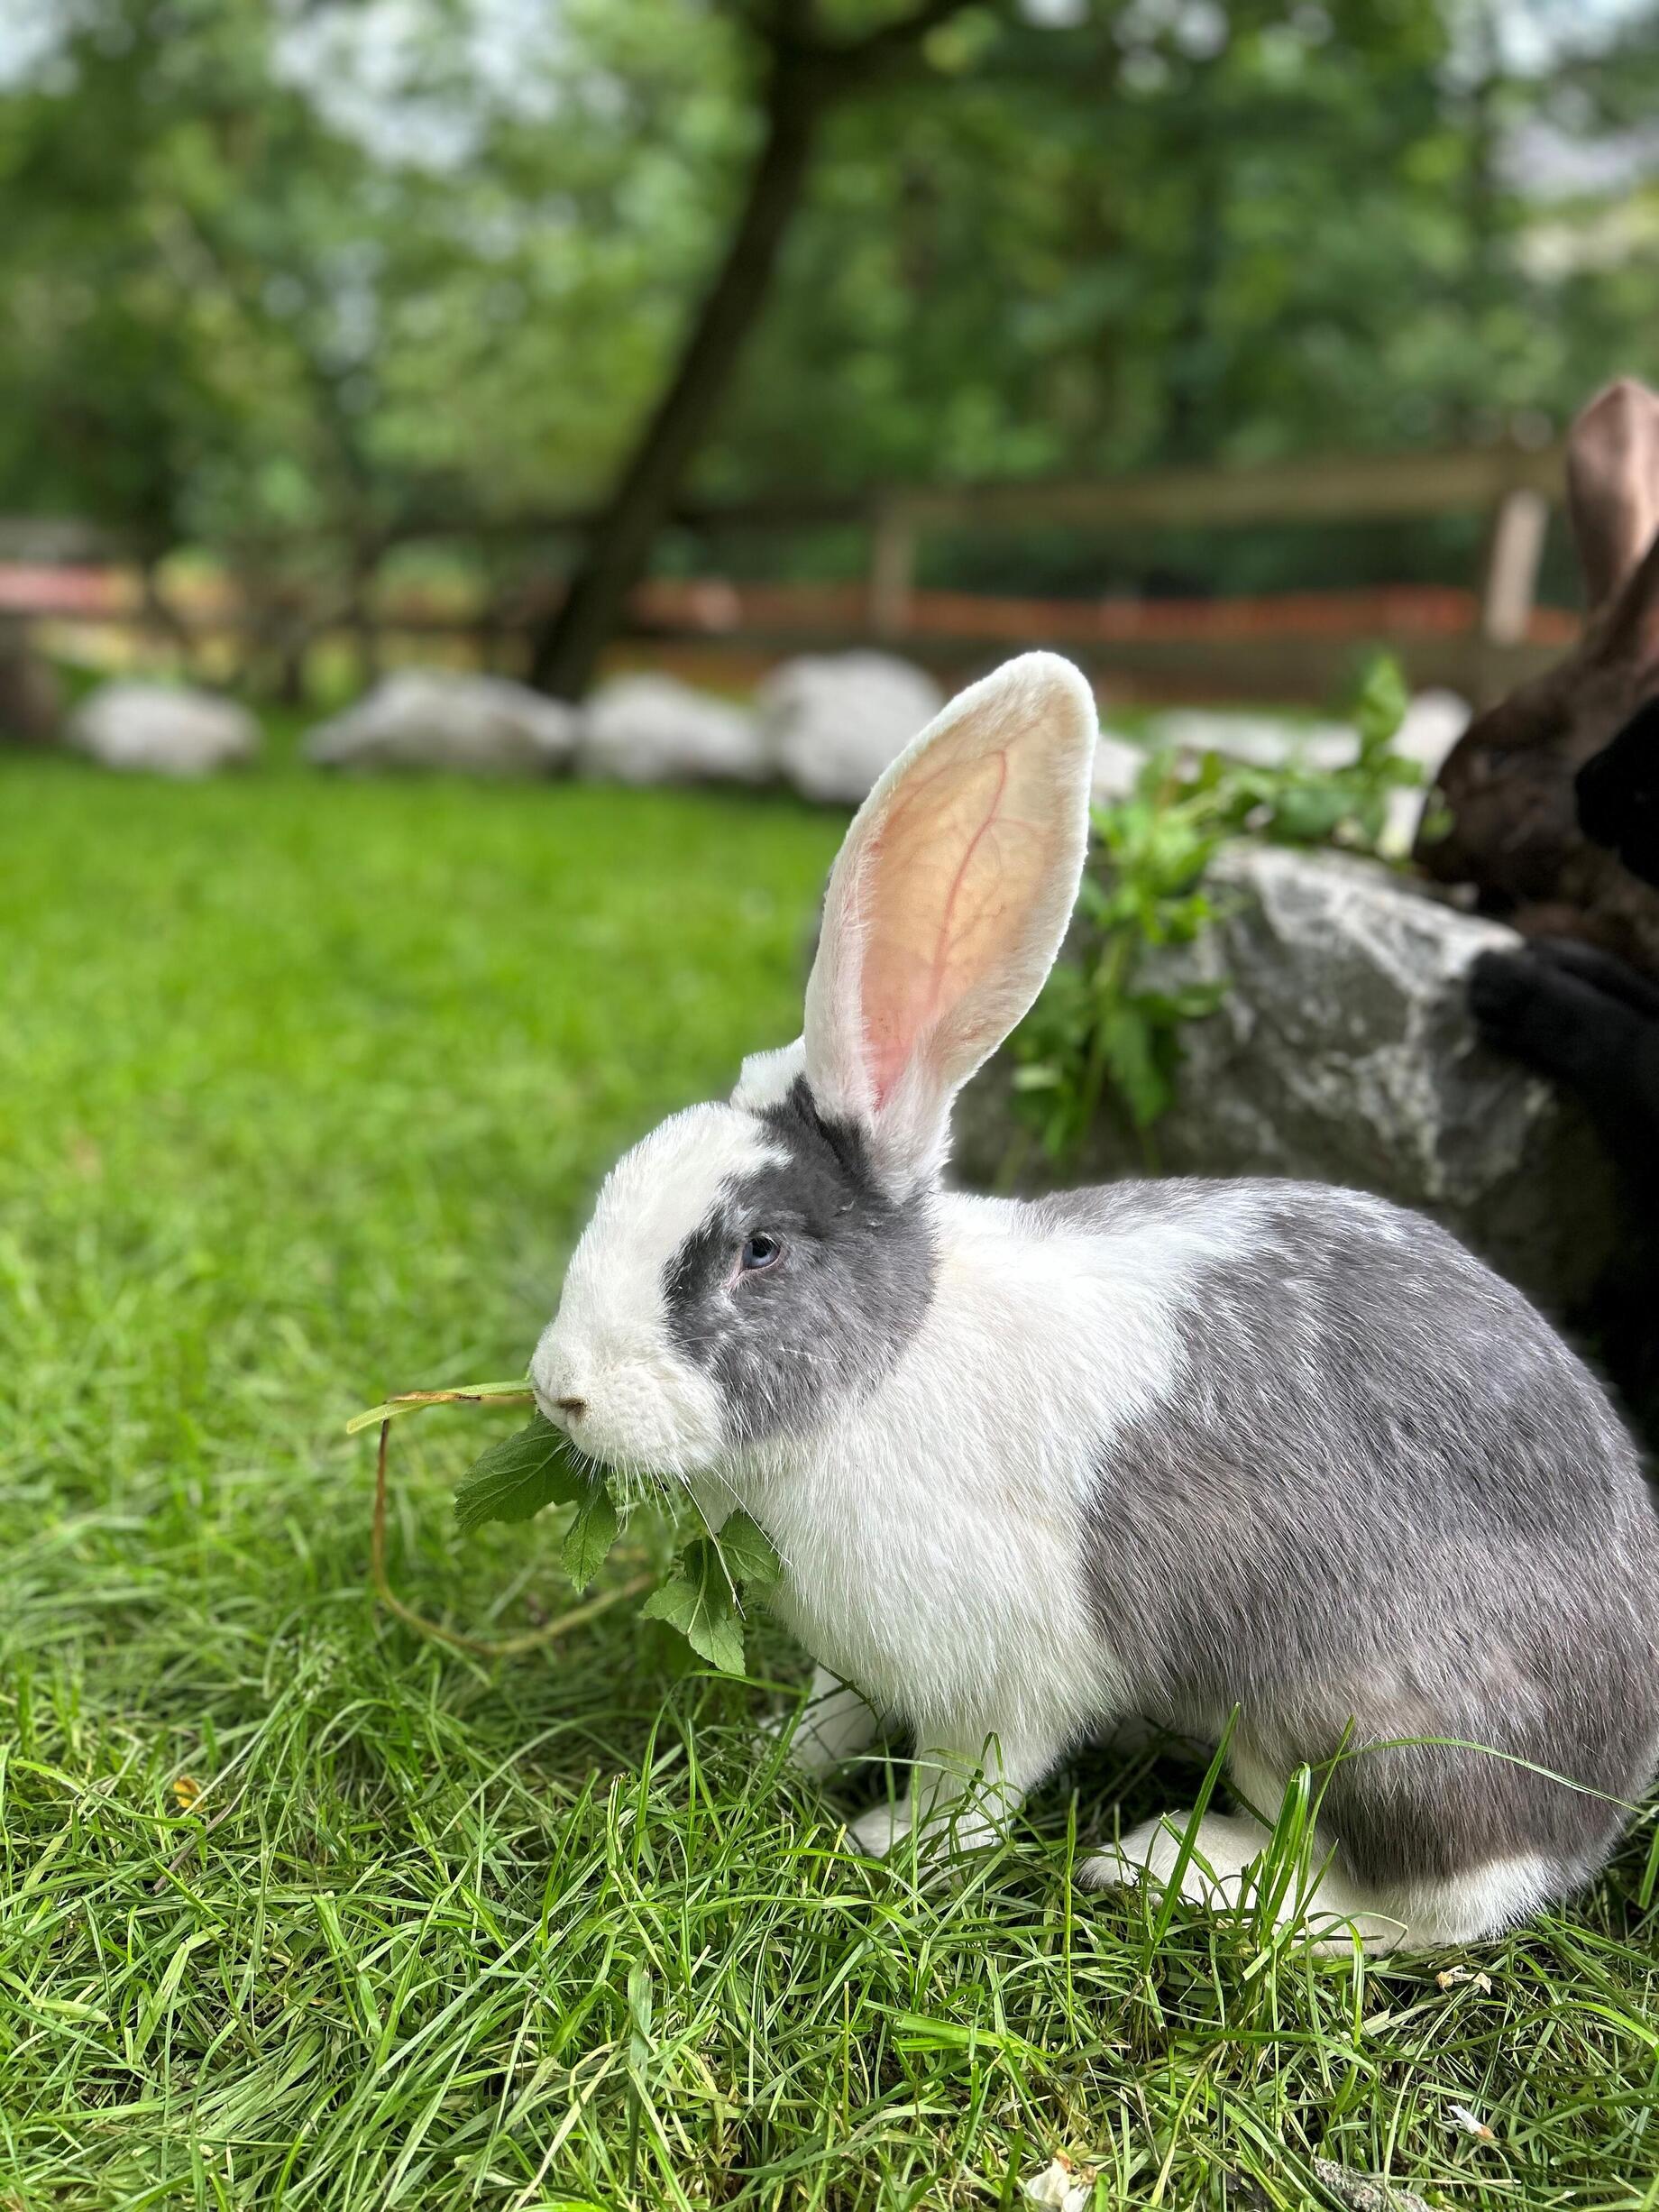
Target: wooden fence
{"type": "Point", "coordinates": [1478, 638]}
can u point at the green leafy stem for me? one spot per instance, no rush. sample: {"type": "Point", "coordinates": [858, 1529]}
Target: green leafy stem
{"type": "Point", "coordinates": [702, 1595]}
{"type": "Point", "coordinates": [1107, 1033]}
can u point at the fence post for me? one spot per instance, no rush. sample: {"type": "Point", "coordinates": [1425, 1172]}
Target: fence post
{"type": "Point", "coordinates": [1509, 588]}
{"type": "Point", "coordinates": [1515, 551]}
{"type": "Point", "coordinates": [893, 567]}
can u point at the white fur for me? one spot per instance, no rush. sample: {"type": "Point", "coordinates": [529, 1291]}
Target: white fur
{"type": "Point", "coordinates": [836, 1723]}
{"type": "Point", "coordinates": [646, 1409]}
{"type": "Point", "coordinates": [1416, 1916]}
{"type": "Point", "coordinates": [931, 1530]}
{"type": "Point", "coordinates": [767, 1077]}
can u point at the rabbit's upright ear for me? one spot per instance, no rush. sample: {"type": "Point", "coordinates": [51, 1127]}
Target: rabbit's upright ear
{"type": "Point", "coordinates": [946, 906]}
{"type": "Point", "coordinates": [1613, 485]}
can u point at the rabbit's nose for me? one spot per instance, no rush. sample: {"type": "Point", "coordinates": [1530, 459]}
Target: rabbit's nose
{"type": "Point", "coordinates": [575, 1407]}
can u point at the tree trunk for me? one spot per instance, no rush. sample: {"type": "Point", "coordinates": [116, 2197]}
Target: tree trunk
{"type": "Point", "coordinates": [567, 648]}
{"type": "Point", "coordinates": [361, 614]}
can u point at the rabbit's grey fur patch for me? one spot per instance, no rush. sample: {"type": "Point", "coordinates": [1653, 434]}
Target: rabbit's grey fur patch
{"type": "Point", "coordinates": [859, 1277]}
{"type": "Point", "coordinates": [1384, 1501]}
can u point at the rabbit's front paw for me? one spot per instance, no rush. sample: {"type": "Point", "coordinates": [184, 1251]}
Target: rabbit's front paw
{"type": "Point", "coordinates": [807, 1752]}
{"type": "Point", "coordinates": [836, 1723]}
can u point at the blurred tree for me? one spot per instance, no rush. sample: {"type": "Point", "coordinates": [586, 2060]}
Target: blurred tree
{"type": "Point", "coordinates": [807, 63]}
{"type": "Point", "coordinates": [291, 281]}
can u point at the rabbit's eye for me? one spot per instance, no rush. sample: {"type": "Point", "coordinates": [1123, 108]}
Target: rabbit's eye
{"type": "Point", "coordinates": [760, 1251]}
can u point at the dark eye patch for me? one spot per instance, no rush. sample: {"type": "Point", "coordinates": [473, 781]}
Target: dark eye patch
{"type": "Point", "coordinates": [859, 1281]}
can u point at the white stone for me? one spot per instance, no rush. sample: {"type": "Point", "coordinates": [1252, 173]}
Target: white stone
{"type": "Point", "coordinates": [1117, 764]}
{"type": "Point", "coordinates": [441, 718]}
{"type": "Point", "coordinates": [1434, 721]}
{"type": "Point", "coordinates": [163, 728]}
{"type": "Point", "coordinates": [833, 722]}
{"type": "Point", "coordinates": [1258, 740]}
{"type": "Point", "coordinates": [1061, 2187]}
{"type": "Point", "coordinates": [655, 729]}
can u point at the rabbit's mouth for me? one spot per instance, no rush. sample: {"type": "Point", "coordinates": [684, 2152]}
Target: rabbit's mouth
{"type": "Point", "coordinates": [646, 1416]}
{"type": "Point", "coordinates": [563, 1413]}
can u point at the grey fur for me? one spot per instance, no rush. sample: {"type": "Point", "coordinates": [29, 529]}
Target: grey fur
{"type": "Point", "coordinates": [851, 1291]}
{"type": "Point", "coordinates": [1383, 1500]}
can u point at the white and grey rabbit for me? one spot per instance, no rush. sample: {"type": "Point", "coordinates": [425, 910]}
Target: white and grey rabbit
{"type": "Point", "coordinates": [1172, 1450]}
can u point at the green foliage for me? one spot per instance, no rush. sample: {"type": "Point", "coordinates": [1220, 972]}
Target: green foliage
{"type": "Point", "coordinates": [1106, 1025]}
{"type": "Point", "coordinates": [701, 1595]}
{"type": "Point", "coordinates": [594, 1528]}
{"type": "Point", "coordinates": [1099, 1024]}
{"type": "Point", "coordinates": [700, 1601]}
{"type": "Point", "coordinates": [750, 1555]}
{"type": "Point", "coordinates": [470, 1393]}
{"type": "Point", "coordinates": [518, 1478]}
{"type": "Point", "coordinates": [704, 1596]}
{"type": "Point", "coordinates": [267, 277]}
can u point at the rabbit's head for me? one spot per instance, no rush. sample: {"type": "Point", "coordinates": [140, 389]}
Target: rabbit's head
{"type": "Point", "coordinates": [1509, 784]}
{"type": "Point", "coordinates": [751, 1262]}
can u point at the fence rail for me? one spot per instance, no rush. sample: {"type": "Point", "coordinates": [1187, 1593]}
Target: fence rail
{"type": "Point", "coordinates": [1291, 644]}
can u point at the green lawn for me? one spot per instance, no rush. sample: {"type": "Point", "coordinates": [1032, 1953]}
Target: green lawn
{"type": "Point", "coordinates": [303, 1088]}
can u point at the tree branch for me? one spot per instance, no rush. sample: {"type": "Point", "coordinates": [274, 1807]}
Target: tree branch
{"type": "Point", "coordinates": [791, 31]}
{"type": "Point", "coordinates": [896, 41]}
{"type": "Point", "coordinates": [780, 26]}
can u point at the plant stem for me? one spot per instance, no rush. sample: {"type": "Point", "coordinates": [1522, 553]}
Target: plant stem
{"type": "Point", "coordinates": [502, 1648]}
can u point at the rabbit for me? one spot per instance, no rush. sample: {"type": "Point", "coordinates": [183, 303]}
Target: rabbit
{"type": "Point", "coordinates": [1591, 1022]}
{"type": "Point", "coordinates": [1508, 782]}
{"type": "Point", "coordinates": [1162, 1450]}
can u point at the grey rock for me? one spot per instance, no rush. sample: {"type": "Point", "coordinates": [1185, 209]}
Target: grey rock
{"type": "Point", "coordinates": [441, 718]}
{"type": "Point", "coordinates": [1367, 2192]}
{"type": "Point", "coordinates": [833, 722]}
{"type": "Point", "coordinates": [655, 729]}
{"type": "Point", "coordinates": [1343, 1052]}
{"type": "Point", "coordinates": [162, 729]}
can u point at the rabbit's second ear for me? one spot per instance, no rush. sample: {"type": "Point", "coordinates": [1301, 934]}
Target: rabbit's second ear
{"type": "Point", "coordinates": [1613, 485]}
{"type": "Point", "coordinates": [946, 906]}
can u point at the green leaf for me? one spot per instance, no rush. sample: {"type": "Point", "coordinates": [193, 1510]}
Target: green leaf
{"type": "Point", "coordinates": [1306, 813]}
{"type": "Point", "coordinates": [417, 1401]}
{"type": "Point", "coordinates": [1381, 704]}
{"type": "Point", "coordinates": [697, 1600]}
{"type": "Point", "coordinates": [515, 1479]}
{"type": "Point", "coordinates": [590, 1537]}
{"type": "Point", "coordinates": [1187, 1002]}
{"type": "Point", "coordinates": [750, 1554]}
{"type": "Point", "coordinates": [1126, 1045]}
{"type": "Point", "coordinates": [1038, 1075]}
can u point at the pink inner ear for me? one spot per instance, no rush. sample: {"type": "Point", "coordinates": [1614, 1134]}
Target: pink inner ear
{"type": "Point", "coordinates": [1613, 483]}
{"type": "Point", "coordinates": [938, 891]}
